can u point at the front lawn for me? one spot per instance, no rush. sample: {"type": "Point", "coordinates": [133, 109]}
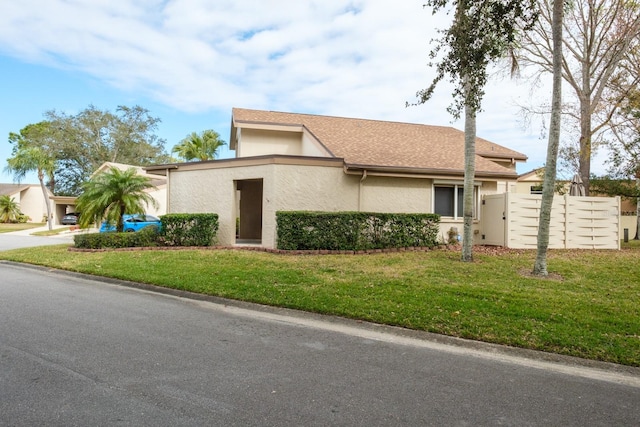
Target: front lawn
{"type": "Point", "coordinates": [590, 308]}
{"type": "Point", "coordinates": [7, 227]}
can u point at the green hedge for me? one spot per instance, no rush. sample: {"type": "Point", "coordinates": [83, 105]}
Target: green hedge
{"type": "Point", "coordinates": [186, 229]}
{"type": "Point", "coordinates": [148, 236]}
{"type": "Point", "coordinates": [176, 230]}
{"type": "Point", "coordinates": [355, 230]}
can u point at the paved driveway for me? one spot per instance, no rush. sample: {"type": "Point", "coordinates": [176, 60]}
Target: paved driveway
{"type": "Point", "coordinates": [76, 351]}
{"type": "Point", "coordinates": [24, 239]}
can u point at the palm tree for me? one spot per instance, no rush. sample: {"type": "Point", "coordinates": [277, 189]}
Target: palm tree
{"type": "Point", "coordinates": [113, 193]}
{"type": "Point", "coordinates": [9, 209]}
{"type": "Point", "coordinates": [27, 158]}
{"type": "Point", "coordinates": [199, 147]}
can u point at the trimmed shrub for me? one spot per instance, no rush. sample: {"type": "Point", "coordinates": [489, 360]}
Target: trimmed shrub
{"type": "Point", "coordinates": [185, 229]}
{"type": "Point", "coordinates": [148, 236]}
{"type": "Point", "coordinates": [355, 230]}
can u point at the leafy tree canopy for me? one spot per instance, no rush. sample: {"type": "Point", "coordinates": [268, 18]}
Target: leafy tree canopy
{"type": "Point", "coordinates": [80, 143]}
{"type": "Point", "coordinates": [482, 32]}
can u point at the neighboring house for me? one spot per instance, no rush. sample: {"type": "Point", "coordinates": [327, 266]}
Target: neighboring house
{"type": "Point", "coordinates": [158, 192]}
{"type": "Point", "coordinates": [64, 204]}
{"type": "Point", "coordinates": [30, 199]}
{"type": "Point", "coordinates": [288, 161]}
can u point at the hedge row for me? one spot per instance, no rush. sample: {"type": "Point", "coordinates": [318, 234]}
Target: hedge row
{"type": "Point", "coordinates": [355, 230]}
{"type": "Point", "coordinates": [176, 230]}
{"type": "Point", "coordinates": [146, 237]}
{"type": "Point", "coordinates": [189, 229]}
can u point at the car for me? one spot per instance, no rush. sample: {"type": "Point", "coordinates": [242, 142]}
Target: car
{"type": "Point", "coordinates": [133, 222]}
{"type": "Point", "coordinates": [70, 219]}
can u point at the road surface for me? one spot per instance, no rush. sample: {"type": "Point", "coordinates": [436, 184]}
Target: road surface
{"type": "Point", "coordinates": [79, 351]}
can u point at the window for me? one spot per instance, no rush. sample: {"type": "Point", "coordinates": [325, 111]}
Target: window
{"type": "Point", "coordinates": [449, 200]}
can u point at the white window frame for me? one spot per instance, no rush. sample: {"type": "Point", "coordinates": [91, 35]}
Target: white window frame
{"type": "Point", "coordinates": [456, 186]}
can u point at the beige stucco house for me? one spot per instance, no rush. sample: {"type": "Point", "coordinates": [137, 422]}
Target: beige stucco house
{"type": "Point", "coordinates": [30, 199]}
{"type": "Point", "coordinates": [63, 205]}
{"type": "Point", "coordinates": [288, 161]}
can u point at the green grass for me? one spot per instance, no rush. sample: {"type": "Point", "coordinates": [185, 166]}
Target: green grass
{"type": "Point", "coordinates": [7, 228]}
{"type": "Point", "coordinates": [590, 309]}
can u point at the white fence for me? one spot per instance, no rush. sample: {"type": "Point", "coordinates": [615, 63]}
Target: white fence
{"type": "Point", "coordinates": [511, 220]}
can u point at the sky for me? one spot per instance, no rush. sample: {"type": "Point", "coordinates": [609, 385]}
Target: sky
{"type": "Point", "coordinates": [189, 62]}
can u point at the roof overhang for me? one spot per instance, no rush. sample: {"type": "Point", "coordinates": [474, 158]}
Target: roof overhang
{"type": "Point", "coordinates": [423, 172]}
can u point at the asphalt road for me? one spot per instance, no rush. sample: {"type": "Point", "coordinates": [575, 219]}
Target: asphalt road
{"type": "Point", "coordinates": [78, 352]}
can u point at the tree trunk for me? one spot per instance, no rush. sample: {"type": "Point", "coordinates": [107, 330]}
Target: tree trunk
{"type": "Point", "coordinates": [469, 176]}
{"type": "Point", "coordinates": [637, 237]}
{"type": "Point", "coordinates": [540, 266]}
{"type": "Point", "coordinates": [47, 202]}
{"type": "Point", "coordinates": [585, 140]}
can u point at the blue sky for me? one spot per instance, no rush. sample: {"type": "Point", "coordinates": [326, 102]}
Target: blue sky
{"type": "Point", "coordinates": [190, 61]}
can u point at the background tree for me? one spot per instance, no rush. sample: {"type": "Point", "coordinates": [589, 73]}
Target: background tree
{"type": "Point", "coordinates": [111, 194]}
{"type": "Point", "coordinates": [481, 32]}
{"type": "Point", "coordinates": [9, 209]}
{"type": "Point", "coordinates": [36, 135]}
{"type": "Point", "coordinates": [28, 158]}
{"type": "Point", "coordinates": [548, 184]}
{"type": "Point", "coordinates": [623, 177]}
{"type": "Point", "coordinates": [199, 147]}
{"type": "Point", "coordinates": [88, 139]}
{"type": "Point", "coordinates": [600, 38]}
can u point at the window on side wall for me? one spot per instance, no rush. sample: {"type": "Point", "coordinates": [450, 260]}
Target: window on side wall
{"type": "Point", "coordinates": [449, 200]}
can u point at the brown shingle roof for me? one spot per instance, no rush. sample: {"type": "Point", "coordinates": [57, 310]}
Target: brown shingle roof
{"type": "Point", "coordinates": [392, 145]}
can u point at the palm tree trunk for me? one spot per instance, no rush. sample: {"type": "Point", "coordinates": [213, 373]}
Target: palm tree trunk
{"type": "Point", "coordinates": [47, 202]}
{"type": "Point", "coordinates": [540, 265]}
{"type": "Point", "coordinates": [469, 176]}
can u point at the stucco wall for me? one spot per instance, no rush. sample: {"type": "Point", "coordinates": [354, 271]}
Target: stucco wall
{"type": "Point", "coordinates": [160, 195]}
{"type": "Point", "coordinates": [397, 195]}
{"type": "Point", "coordinates": [32, 203]}
{"type": "Point", "coordinates": [285, 187]}
{"type": "Point", "coordinates": [257, 142]}
{"type": "Point", "coordinates": [303, 187]}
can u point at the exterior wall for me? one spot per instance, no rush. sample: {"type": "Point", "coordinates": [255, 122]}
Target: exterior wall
{"type": "Point", "coordinates": [32, 203]}
{"type": "Point", "coordinates": [629, 222]}
{"type": "Point", "coordinates": [161, 197]}
{"type": "Point", "coordinates": [397, 195]}
{"type": "Point", "coordinates": [285, 187]}
{"type": "Point", "coordinates": [310, 147]}
{"type": "Point", "coordinates": [576, 222]}
{"type": "Point", "coordinates": [257, 142]}
{"type": "Point", "coordinates": [304, 187]}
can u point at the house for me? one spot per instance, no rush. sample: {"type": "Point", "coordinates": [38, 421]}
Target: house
{"type": "Point", "coordinates": [30, 199]}
{"type": "Point", "coordinates": [63, 205]}
{"type": "Point", "coordinates": [287, 161]}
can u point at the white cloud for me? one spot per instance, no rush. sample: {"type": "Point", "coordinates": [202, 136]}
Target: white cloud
{"type": "Point", "coordinates": [360, 58]}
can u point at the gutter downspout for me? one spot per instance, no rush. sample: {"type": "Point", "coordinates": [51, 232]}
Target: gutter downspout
{"type": "Point", "coordinates": [168, 198]}
{"type": "Point", "coordinates": [362, 180]}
